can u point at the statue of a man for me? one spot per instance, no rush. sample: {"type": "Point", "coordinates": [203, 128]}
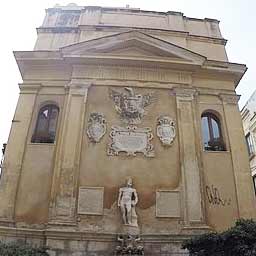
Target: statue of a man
{"type": "Point", "coordinates": [127, 201]}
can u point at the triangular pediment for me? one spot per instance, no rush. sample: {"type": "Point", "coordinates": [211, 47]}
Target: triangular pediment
{"type": "Point", "coordinates": [132, 44]}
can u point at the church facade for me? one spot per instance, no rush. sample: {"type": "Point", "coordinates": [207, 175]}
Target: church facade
{"type": "Point", "coordinates": [127, 127]}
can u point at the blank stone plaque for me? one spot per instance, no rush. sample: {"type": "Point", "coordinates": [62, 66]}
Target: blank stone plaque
{"type": "Point", "coordinates": [167, 204]}
{"type": "Point", "coordinates": [90, 200]}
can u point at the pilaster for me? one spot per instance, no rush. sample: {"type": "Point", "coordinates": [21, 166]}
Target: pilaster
{"type": "Point", "coordinates": [193, 209]}
{"type": "Point", "coordinates": [244, 188]}
{"type": "Point", "coordinates": [63, 193]}
{"type": "Point", "coordinates": [15, 151]}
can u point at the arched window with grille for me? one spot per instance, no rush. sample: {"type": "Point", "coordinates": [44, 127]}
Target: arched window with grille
{"type": "Point", "coordinates": [46, 125]}
{"type": "Point", "coordinates": [211, 132]}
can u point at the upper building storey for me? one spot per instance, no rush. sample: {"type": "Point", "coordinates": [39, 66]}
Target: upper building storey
{"type": "Point", "coordinates": [66, 25]}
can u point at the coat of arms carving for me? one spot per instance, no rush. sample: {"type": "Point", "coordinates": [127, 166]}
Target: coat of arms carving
{"type": "Point", "coordinates": [166, 130]}
{"type": "Point", "coordinates": [96, 127]}
{"type": "Point", "coordinates": [130, 105]}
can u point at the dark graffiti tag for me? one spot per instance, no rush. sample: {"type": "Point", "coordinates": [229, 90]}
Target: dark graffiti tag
{"type": "Point", "coordinates": [214, 196]}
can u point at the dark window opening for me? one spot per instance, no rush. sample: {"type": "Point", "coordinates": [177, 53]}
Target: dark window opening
{"type": "Point", "coordinates": [2, 159]}
{"type": "Point", "coordinates": [46, 125]}
{"type": "Point", "coordinates": [254, 183]}
{"type": "Point", "coordinates": [211, 131]}
{"type": "Point", "coordinates": [249, 143]}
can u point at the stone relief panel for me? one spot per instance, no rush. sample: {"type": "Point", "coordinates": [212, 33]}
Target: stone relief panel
{"type": "Point", "coordinates": [131, 140]}
{"type": "Point", "coordinates": [131, 106]}
{"type": "Point", "coordinates": [90, 200]}
{"type": "Point", "coordinates": [96, 126]}
{"type": "Point", "coordinates": [167, 204]}
{"type": "Point", "coordinates": [166, 130]}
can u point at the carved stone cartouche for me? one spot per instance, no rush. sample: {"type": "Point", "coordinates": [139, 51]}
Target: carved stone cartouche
{"type": "Point", "coordinates": [166, 130]}
{"type": "Point", "coordinates": [131, 140]}
{"type": "Point", "coordinates": [96, 126]}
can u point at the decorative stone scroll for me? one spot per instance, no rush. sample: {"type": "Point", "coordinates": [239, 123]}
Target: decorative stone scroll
{"type": "Point", "coordinates": [167, 204]}
{"type": "Point", "coordinates": [131, 140]}
{"type": "Point", "coordinates": [131, 106]}
{"type": "Point", "coordinates": [96, 127]}
{"type": "Point", "coordinates": [90, 200]}
{"type": "Point", "coordinates": [166, 130]}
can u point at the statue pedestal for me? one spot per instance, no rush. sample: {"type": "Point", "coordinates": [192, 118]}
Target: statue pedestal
{"type": "Point", "coordinates": [131, 230]}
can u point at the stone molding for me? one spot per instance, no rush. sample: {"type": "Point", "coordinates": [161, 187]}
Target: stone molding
{"type": "Point", "coordinates": [30, 88]}
{"type": "Point", "coordinates": [78, 88]}
{"type": "Point", "coordinates": [229, 98]}
{"type": "Point", "coordinates": [185, 94]}
{"type": "Point", "coordinates": [133, 73]}
{"type": "Point", "coordinates": [67, 234]}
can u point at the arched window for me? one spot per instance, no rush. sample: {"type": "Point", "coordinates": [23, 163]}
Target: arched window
{"type": "Point", "coordinates": [211, 131]}
{"type": "Point", "coordinates": [46, 125]}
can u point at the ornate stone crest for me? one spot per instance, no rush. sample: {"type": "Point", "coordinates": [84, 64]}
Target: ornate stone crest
{"type": "Point", "coordinates": [131, 140]}
{"type": "Point", "coordinates": [129, 245]}
{"type": "Point", "coordinates": [166, 130]}
{"type": "Point", "coordinates": [96, 127]}
{"type": "Point", "coordinates": [129, 105]}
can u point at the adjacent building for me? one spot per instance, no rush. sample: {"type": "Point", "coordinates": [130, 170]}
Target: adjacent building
{"type": "Point", "coordinates": [127, 131]}
{"type": "Point", "coordinates": [249, 123]}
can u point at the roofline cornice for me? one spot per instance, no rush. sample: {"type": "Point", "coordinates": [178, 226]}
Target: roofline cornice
{"type": "Point", "coordinates": [124, 9]}
{"type": "Point", "coordinates": [56, 57]}
{"type": "Point", "coordinates": [180, 33]}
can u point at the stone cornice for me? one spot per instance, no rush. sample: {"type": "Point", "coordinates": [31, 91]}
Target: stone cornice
{"type": "Point", "coordinates": [146, 52]}
{"type": "Point", "coordinates": [46, 58]}
{"type": "Point", "coordinates": [69, 234]}
{"type": "Point", "coordinates": [124, 9]}
{"type": "Point", "coordinates": [116, 28]}
{"type": "Point", "coordinates": [29, 88]}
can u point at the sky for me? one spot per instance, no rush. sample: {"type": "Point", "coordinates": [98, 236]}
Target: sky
{"type": "Point", "coordinates": [19, 20]}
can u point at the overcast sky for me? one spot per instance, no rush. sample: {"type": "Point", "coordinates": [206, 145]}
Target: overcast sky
{"type": "Point", "coordinates": [19, 20]}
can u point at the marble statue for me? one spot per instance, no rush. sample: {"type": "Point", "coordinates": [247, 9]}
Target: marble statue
{"type": "Point", "coordinates": [127, 201]}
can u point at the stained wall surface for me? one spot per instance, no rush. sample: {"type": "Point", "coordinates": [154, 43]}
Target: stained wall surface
{"type": "Point", "coordinates": [69, 189]}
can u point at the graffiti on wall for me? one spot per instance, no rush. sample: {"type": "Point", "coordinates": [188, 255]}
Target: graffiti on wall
{"type": "Point", "coordinates": [214, 196]}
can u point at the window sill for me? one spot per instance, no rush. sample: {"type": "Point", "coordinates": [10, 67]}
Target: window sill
{"type": "Point", "coordinates": [216, 151]}
{"type": "Point", "coordinates": [41, 144]}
